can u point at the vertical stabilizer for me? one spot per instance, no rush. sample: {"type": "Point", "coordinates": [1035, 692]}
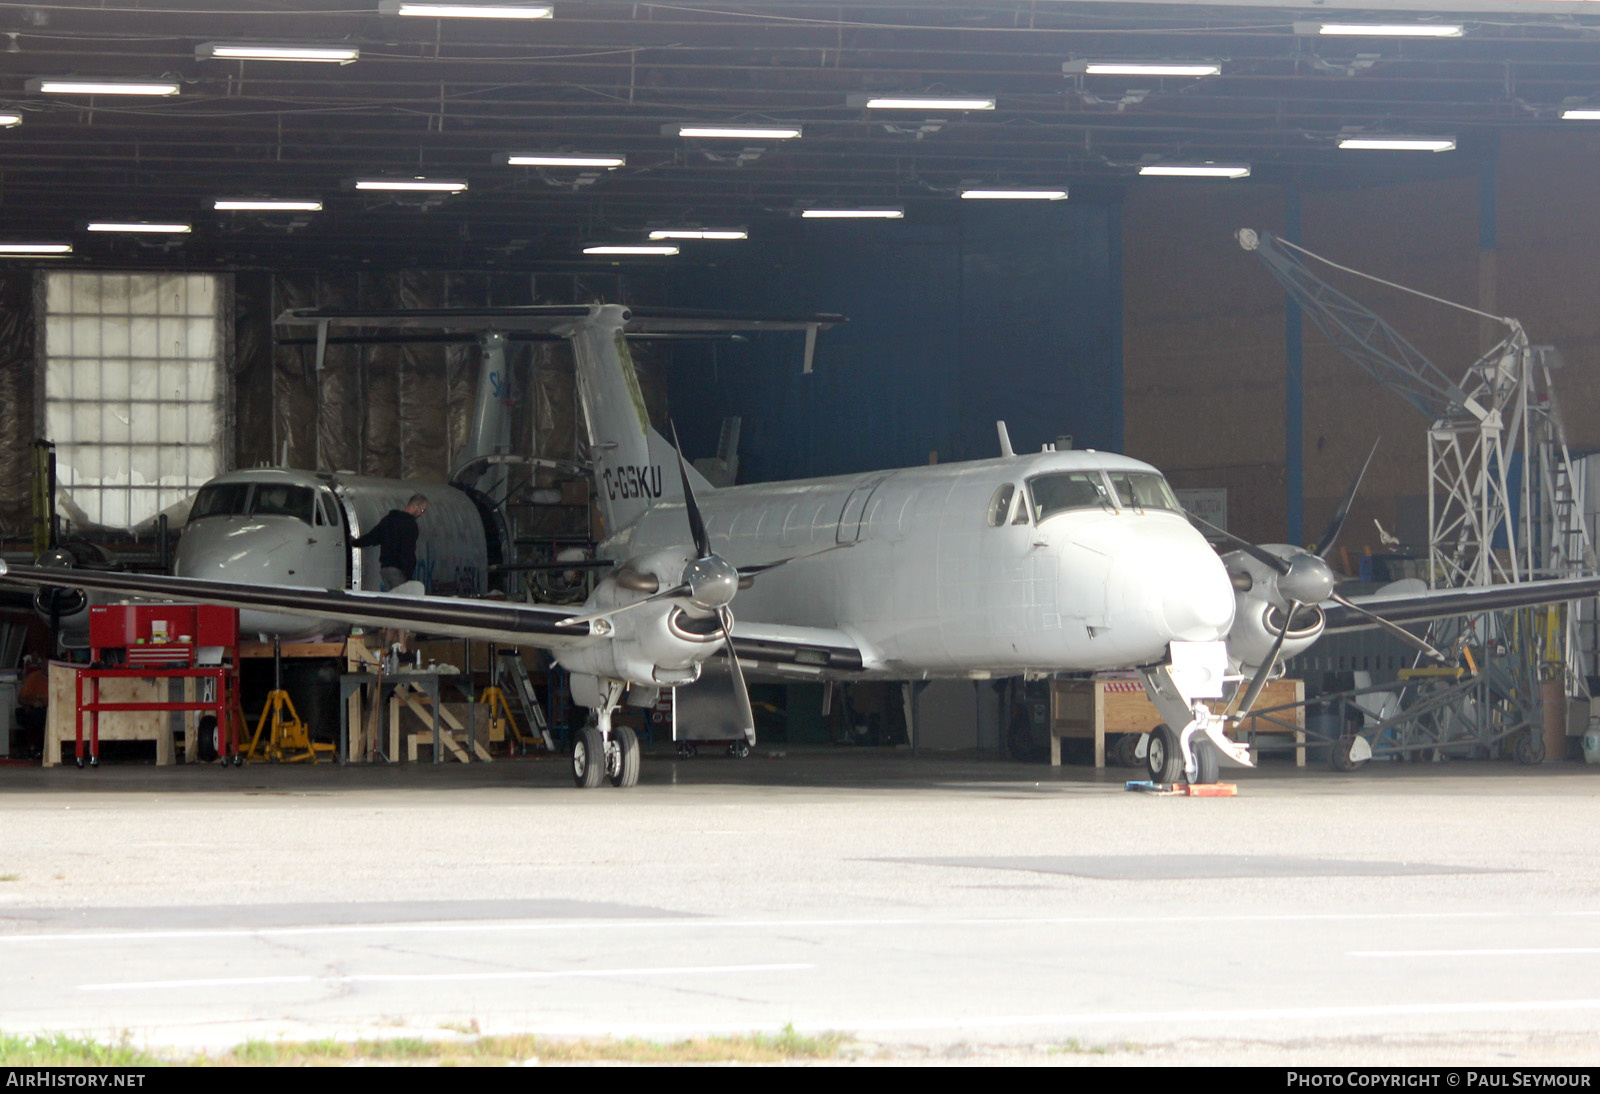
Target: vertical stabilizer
{"type": "Point", "coordinates": [634, 467]}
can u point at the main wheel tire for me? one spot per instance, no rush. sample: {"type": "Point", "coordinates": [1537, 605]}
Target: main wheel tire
{"type": "Point", "coordinates": [206, 740]}
{"type": "Point", "coordinates": [625, 767]}
{"type": "Point", "coordinates": [1339, 755]}
{"type": "Point", "coordinates": [588, 758]}
{"type": "Point", "coordinates": [1123, 749]}
{"type": "Point", "coordinates": [1207, 761]}
{"type": "Point", "coordinates": [1162, 758]}
{"type": "Point", "coordinates": [1529, 749]}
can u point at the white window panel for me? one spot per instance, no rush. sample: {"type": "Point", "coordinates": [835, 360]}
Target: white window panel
{"type": "Point", "coordinates": [131, 388]}
{"type": "Point", "coordinates": [202, 383]}
{"type": "Point", "coordinates": [115, 427]}
{"type": "Point", "coordinates": [114, 336]}
{"type": "Point", "coordinates": [114, 380]}
{"type": "Point", "coordinates": [142, 341]}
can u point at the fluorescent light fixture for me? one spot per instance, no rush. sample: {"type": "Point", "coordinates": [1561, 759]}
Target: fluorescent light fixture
{"type": "Point", "coordinates": [1142, 68]}
{"type": "Point", "coordinates": [1014, 195]}
{"type": "Point", "coordinates": [1400, 144]}
{"type": "Point", "coordinates": [265, 205]}
{"type": "Point", "coordinates": [736, 132]}
{"type": "Point", "coordinates": [47, 85]}
{"type": "Point", "coordinates": [919, 102]}
{"type": "Point", "coordinates": [168, 227]}
{"type": "Point", "coordinates": [1381, 30]}
{"type": "Point", "coordinates": [699, 233]}
{"type": "Point", "coordinates": [224, 51]}
{"type": "Point", "coordinates": [630, 249]}
{"type": "Point", "coordinates": [467, 11]}
{"type": "Point", "coordinates": [883, 212]}
{"type": "Point", "coordinates": [556, 159]}
{"type": "Point", "coordinates": [446, 186]}
{"type": "Point", "coordinates": [35, 248]}
{"type": "Point", "coordinates": [1197, 170]}
{"type": "Point", "coordinates": [7, 120]}
{"type": "Point", "coordinates": [1581, 114]}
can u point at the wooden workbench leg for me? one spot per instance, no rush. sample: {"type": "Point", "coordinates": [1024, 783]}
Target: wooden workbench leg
{"type": "Point", "coordinates": [1099, 731]}
{"type": "Point", "coordinates": [394, 725]}
{"type": "Point", "coordinates": [1055, 748]}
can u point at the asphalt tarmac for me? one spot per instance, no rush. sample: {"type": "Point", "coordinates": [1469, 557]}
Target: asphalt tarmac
{"type": "Point", "coordinates": [954, 909]}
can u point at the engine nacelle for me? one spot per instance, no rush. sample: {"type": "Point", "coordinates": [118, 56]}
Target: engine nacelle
{"type": "Point", "coordinates": [1259, 608]}
{"type": "Point", "coordinates": [656, 645]}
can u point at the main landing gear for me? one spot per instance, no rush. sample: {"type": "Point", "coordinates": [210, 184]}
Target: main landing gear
{"type": "Point", "coordinates": [603, 751]}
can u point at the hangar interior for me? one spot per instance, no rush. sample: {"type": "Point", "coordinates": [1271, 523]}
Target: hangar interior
{"type": "Point", "coordinates": [1120, 315]}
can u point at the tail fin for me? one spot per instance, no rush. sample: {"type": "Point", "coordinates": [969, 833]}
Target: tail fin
{"type": "Point", "coordinates": [635, 467]}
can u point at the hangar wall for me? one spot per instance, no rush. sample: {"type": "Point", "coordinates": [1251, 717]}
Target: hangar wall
{"type": "Point", "coordinates": [1204, 323]}
{"type": "Point", "coordinates": [1008, 312]}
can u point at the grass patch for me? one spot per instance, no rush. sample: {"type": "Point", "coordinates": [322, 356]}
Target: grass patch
{"type": "Point", "coordinates": [750, 1048]}
{"type": "Point", "coordinates": [60, 1050]}
{"type": "Point", "coordinates": [10, 877]}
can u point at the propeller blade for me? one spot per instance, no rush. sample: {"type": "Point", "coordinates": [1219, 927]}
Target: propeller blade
{"type": "Point", "coordinates": [1265, 671]}
{"type": "Point", "coordinates": [1258, 553]}
{"type": "Point", "coordinates": [697, 526]}
{"type": "Point", "coordinates": [1330, 535]}
{"type": "Point", "coordinates": [1393, 628]}
{"type": "Point", "coordinates": [574, 620]}
{"type": "Point", "coordinates": [741, 693]}
{"type": "Point", "coordinates": [752, 571]}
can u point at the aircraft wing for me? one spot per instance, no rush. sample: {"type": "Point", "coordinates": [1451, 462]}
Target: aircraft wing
{"type": "Point", "coordinates": [809, 650]}
{"type": "Point", "coordinates": [507, 622]}
{"type": "Point", "coordinates": [1429, 604]}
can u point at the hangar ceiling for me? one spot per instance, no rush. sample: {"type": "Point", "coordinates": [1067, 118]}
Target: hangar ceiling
{"type": "Point", "coordinates": [444, 98]}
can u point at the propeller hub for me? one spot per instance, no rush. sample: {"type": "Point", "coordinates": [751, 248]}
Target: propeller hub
{"type": "Point", "coordinates": [1309, 580]}
{"type": "Point", "coordinates": [712, 582]}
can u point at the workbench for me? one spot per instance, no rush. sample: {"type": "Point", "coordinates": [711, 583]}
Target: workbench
{"type": "Point", "coordinates": [1117, 704]}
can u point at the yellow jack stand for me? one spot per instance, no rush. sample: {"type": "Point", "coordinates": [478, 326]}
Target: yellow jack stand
{"type": "Point", "coordinates": [288, 741]}
{"type": "Point", "coordinates": [500, 719]}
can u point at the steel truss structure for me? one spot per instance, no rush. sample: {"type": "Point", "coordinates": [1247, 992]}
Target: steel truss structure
{"type": "Point", "coordinates": [1503, 507]}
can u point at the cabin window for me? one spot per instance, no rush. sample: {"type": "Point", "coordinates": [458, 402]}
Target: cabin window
{"type": "Point", "coordinates": [222, 499]}
{"type": "Point", "coordinates": [282, 499]}
{"type": "Point", "coordinates": [1064, 490]}
{"type": "Point", "coordinates": [1000, 505]}
{"type": "Point", "coordinates": [134, 391]}
{"type": "Point", "coordinates": [1143, 490]}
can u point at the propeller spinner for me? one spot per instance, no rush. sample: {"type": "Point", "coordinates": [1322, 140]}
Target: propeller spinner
{"type": "Point", "coordinates": [1304, 578]}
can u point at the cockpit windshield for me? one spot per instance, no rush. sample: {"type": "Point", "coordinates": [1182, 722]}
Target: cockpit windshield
{"type": "Point", "coordinates": [1143, 490]}
{"type": "Point", "coordinates": [281, 499]}
{"type": "Point", "coordinates": [1060, 491]}
{"type": "Point", "coordinates": [1063, 490]}
{"type": "Point", "coordinates": [220, 499]}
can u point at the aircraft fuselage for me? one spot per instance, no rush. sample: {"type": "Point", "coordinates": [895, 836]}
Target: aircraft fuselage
{"type": "Point", "coordinates": [994, 566]}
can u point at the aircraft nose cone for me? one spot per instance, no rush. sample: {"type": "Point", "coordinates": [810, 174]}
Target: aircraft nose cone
{"type": "Point", "coordinates": [1195, 595]}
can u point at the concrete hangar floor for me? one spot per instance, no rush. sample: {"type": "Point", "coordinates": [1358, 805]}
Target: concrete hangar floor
{"type": "Point", "coordinates": [949, 910]}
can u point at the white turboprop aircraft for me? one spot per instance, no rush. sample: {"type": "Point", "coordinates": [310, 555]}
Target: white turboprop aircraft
{"type": "Point", "coordinates": [1041, 563]}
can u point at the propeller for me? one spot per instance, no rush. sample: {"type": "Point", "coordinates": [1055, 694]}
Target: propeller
{"type": "Point", "coordinates": [1306, 578]}
{"type": "Point", "coordinates": [708, 582]}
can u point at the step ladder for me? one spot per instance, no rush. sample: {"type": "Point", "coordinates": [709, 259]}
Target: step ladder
{"type": "Point", "coordinates": [512, 671]}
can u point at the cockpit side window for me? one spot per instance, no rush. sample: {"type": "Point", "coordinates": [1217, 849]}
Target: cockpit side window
{"type": "Point", "coordinates": [1000, 504]}
{"type": "Point", "coordinates": [282, 499]}
{"type": "Point", "coordinates": [220, 499]}
{"type": "Point", "coordinates": [1143, 490]}
{"type": "Point", "coordinates": [1062, 490]}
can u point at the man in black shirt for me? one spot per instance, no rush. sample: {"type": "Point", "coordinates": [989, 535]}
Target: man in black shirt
{"type": "Point", "coordinates": [396, 538]}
